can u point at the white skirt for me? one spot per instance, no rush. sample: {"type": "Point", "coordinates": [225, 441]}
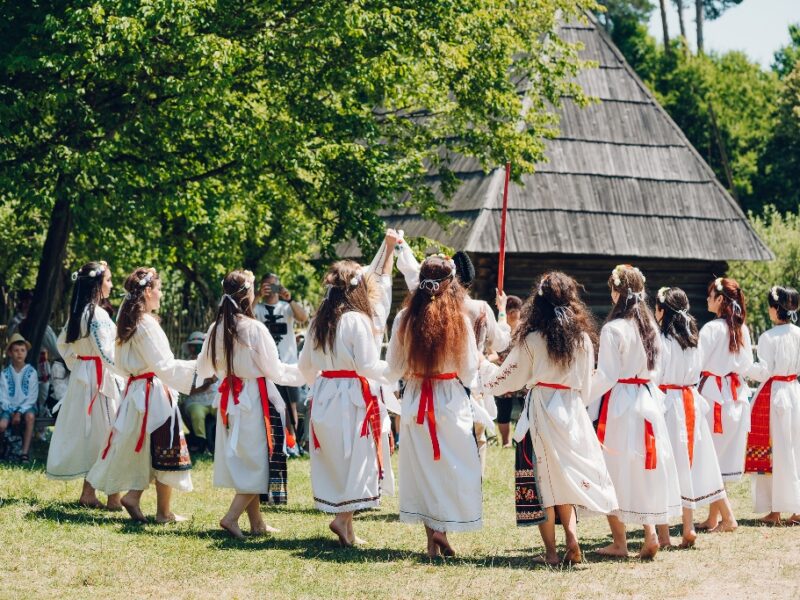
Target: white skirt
{"type": "Point", "coordinates": [79, 437]}
{"type": "Point", "coordinates": [701, 481]}
{"type": "Point", "coordinates": [570, 464]}
{"type": "Point", "coordinates": [731, 444]}
{"type": "Point", "coordinates": [645, 496]}
{"type": "Point", "coordinates": [241, 454]}
{"type": "Point", "coordinates": [780, 491]}
{"type": "Point", "coordinates": [344, 469]}
{"type": "Point", "coordinates": [125, 469]}
{"type": "Point", "coordinates": [443, 494]}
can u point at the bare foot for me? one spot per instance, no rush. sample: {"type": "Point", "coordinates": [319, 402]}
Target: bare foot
{"type": "Point", "coordinates": [232, 527]}
{"type": "Point", "coordinates": [613, 551]}
{"type": "Point", "coordinates": [573, 555]}
{"type": "Point", "coordinates": [725, 527]}
{"type": "Point", "coordinates": [132, 506]}
{"type": "Point", "coordinates": [772, 518]}
{"type": "Point", "coordinates": [170, 518]}
{"type": "Point", "coordinates": [549, 560]}
{"type": "Point", "coordinates": [357, 541]}
{"type": "Point", "coordinates": [114, 506]}
{"type": "Point", "coordinates": [263, 530]}
{"type": "Point", "coordinates": [665, 545]}
{"type": "Point", "coordinates": [433, 549]}
{"type": "Point", "coordinates": [440, 539]}
{"type": "Point", "coordinates": [705, 526]}
{"type": "Point", "coordinates": [649, 550]}
{"type": "Point", "coordinates": [688, 539]}
{"type": "Point", "coordinates": [341, 533]}
{"type": "Point", "coordinates": [793, 520]}
{"type": "Point", "coordinates": [90, 502]}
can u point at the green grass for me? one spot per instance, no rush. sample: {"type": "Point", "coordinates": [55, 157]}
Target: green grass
{"type": "Point", "coordinates": [49, 547]}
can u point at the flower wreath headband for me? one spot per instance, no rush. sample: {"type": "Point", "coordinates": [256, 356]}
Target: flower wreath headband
{"type": "Point", "coordinates": [661, 296]}
{"type": "Point", "coordinates": [93, 273]}
{"type": "Point", "coordinates": [432, 285]}
{"type": "Point", "coordinates": [563, 312]}
{"type": "Point", "coordinates": [617, 280]}
{"type": "Point", "coordinates": [792, 314]}
{"type": "Point", "coordinates": [737, 308]}
{"type": "Point", "coordinates": [249, 279]}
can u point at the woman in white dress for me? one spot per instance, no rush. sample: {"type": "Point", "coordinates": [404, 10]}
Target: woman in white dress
{"type": "Point", "coordinates": [241, 353]}
{"type": "Point", "coordinates": [773, 446]}
{"type": "Point", "coordinates": [631, 423]}
{"type": "Point", "coordinates": [553, 355]}
{"type": "Point", "coordinates": [726, 355]}
{"type": "Point", "coordinates": [698, 469]}
{"type": "Point", "coordinates": [146, 442]}
{"type": "Point", "coordinates": [339, 360]}
{"type": "Point", "coordinates": [89, 407]}
{"type": "Point", "coordinates": [433, 349]}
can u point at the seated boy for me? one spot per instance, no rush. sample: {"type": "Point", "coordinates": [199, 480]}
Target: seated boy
{"type": "Point", "coordinates": [19, 390]}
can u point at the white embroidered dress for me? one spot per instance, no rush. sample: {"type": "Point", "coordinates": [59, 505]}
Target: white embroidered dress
{"type": "Point", "coordinates": [700, 479]}
{"type": "Point", "coordinates": [80, 434]}
{"type": "Point", "coordinates": [570, 464]}
{"type": "Point", "coordinates": [147, 351]}
{"type": "Point", "coordinates": [241, 456]}
{"type": "Point", "coordinates": [443, 494]}
{"type": "Point", "coordinates": [344, 469]}
{"type": "Point", "coordinates": [716, 358]}
{"type": "Point", "coordinates": [779, 354]}
{"type": "Point", "coordinates": [645, 496]}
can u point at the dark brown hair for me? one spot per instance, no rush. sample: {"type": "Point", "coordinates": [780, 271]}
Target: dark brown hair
{"type": "Point", "coordinates": [733, 311]}
{"type": "Point", "coordinates": [628, 282]}
{"type": "Point", "coordinates": [235, 301]}
{"type": "Point", "coordinates": [132, 309]}
{"type": "Point", "coordinates": [86, 292]}
{"type": "Point", "coordinates": [677, 323]}
{"type": "Point", "coordinates": [433, 322]}
{"type": "Point", "coordinates": [342, 295]}
{"type": "Point", "coordinates": [555, 310]}
{"type": "Point", "coordinates": [513, 303]}
{"type": "Point", "coordinates": [787, 303]}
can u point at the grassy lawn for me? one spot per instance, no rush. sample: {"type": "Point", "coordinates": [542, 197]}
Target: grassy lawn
{"type": "Point", "coordinates": [53, 548]}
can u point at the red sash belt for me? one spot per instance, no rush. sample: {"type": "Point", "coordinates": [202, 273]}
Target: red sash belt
{"type": "Point", "coordinates": [553, 386]}
{"type": "Point", "coordinates": [264, 395]}
{"type": "Point", "coordinates": [98, 370]}
{"type": "Point", "coordinates": [649, 435]}
{"type": "Point", "coordinates": [372, 420]}
{"type": "Point", "coordinates": [148, 377]}
{"type": "Point", "coordinates": [231, 386]}
{"type": "Point", "coordinates": [759, 441]}
{"type": "Point", "coordinates": [426, 407]}
{"type": "Point", "coordinates": [736, 383]}
{"type": "Point", "coordinates": [688, 411]}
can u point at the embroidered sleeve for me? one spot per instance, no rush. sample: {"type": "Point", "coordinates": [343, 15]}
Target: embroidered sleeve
{"type": "Point", "coordinates": [513, 374]}
{"type": "Point", "coordinates": [30, 389]}
{"type": "Point", "coordinates": [103, 334]}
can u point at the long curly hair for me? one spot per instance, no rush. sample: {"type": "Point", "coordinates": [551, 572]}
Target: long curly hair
{"type": "Point", "coordinates": [677, 323]}
{"type": "Point", "coordinates": [628, 282]}
{"type": "Point", "coordinates": [733, 310]}
{"type": "Point", "coordinates": [555, 310]}
{"type": "Point", "coordinates": [86, 292]}
{"type": "Point", "coordinates": [235, 301]}
{"type": "Point", "coordinates": [132, 309]}
{"type": "Point", "coordinates": [432, 326]}
{"type": "Point", "coordinates": [348, 289]}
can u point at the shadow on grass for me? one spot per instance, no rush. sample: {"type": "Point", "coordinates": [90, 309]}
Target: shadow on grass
{"type": "Point", "coordinates": [72, 512]}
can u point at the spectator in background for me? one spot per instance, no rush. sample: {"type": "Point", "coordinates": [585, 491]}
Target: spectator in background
{"type": "Point", "coordinates": [19, 389]}
{"type": "Point", "coordinates": [505, 403]}
{"type": "Point", "coordinates": [24, 299]}
{"type": "Point", "coordinates": [279, 311]}
{"type": "Point", "coordinates": [199, 404]}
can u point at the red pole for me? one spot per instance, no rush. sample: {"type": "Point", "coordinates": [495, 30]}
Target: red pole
{"type": "Point", "coordinates": [501, 269]}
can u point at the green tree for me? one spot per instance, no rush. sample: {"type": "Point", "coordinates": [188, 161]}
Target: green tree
{"type": "Point", "coordinates": [787, 57]}
{"type": "Point", "coordinates": [199, 134]}
{"type": "Point", "coordinates": [781, 232]}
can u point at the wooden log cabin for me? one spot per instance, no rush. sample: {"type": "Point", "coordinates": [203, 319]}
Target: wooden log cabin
{"type": "Point", "coordinates": [621, 184]}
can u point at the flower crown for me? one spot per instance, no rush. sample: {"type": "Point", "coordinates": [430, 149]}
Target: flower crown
{"type": "Point", "coordinates": [93, 273]}
{"type": "Point", "coordinates": [619, 269]}
{"type": "Point", "coordinates": [662, 295]}
{"type": "Point", "coordinates": [774, 293]}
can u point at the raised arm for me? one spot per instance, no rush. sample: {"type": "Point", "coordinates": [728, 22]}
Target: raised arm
{"type": "Point", "coordinates": [408, 266]}
{"type": "Point", "coordinates": [153, 346]}
{"type": "Point", "coordinates": [266, 357]}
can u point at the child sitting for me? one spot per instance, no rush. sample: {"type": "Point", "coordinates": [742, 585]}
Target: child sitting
{"type": "Point", "coordinates": [19, 389]}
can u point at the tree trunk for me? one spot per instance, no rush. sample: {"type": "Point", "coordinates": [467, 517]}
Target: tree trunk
{"type": "Point", "coordinates": [698, 12]}
{"type": "Point", "coordinates": [681, 21]}
{"type": "Point", "coordinates": [663, 5]}
{"type": "Point", "coordinates": [48, 281]}
{"type": "Point", "coordinates": [723, 155]}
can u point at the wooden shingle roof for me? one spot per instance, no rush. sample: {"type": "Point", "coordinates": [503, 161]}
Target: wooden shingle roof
{"type": "Point", "coordinates": [621, 179]}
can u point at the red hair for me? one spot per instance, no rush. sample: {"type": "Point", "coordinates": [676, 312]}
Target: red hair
{"type": "Point", "coordinates": [433, 327]}
{"type": "Point", "coordinates": [733, 309]}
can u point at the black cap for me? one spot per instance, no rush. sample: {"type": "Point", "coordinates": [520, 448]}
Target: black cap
{"type": "Point", "coordinates": [465, 270]}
